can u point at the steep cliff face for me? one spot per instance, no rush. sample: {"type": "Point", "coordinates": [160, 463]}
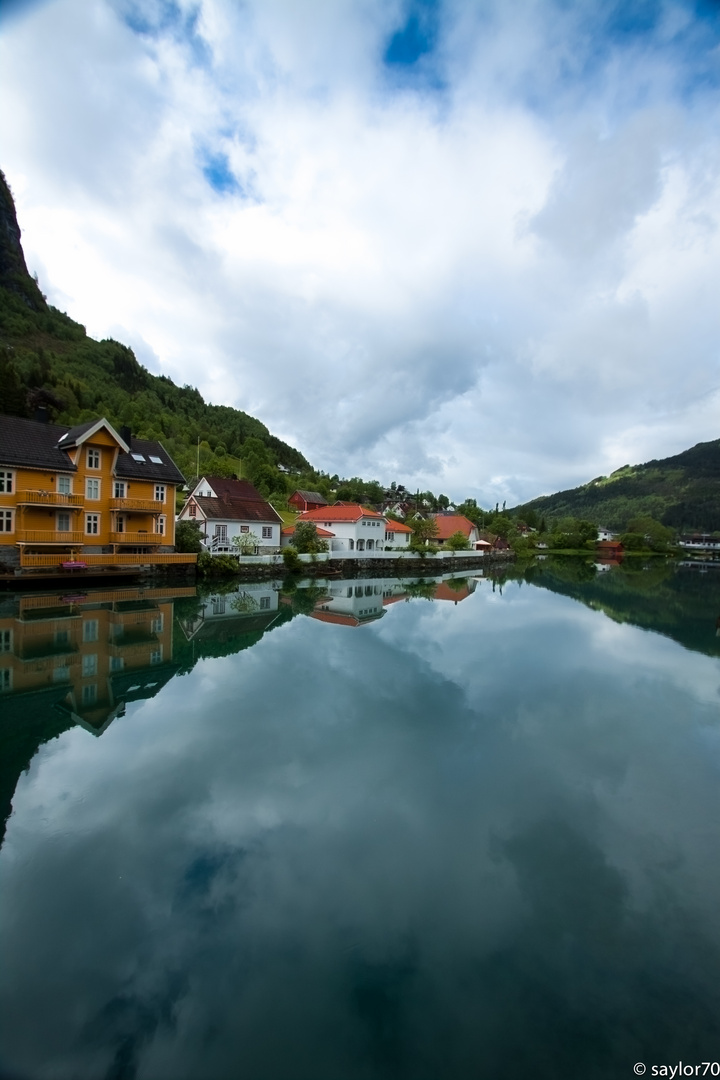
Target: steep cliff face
{"type": "Point", "coordinates": [13, 268]}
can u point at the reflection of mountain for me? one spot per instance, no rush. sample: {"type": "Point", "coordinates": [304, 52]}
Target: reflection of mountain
{"type": "Point", "coordinates": [676, 601]}
{"type": "Point", "coordinates": [77, 658]}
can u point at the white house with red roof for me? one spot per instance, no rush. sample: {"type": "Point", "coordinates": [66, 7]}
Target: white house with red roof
{"type": "Point", "coordinates": [449, 524]}
{"type": "Point", "coordinates": [397, 534]}
{"type": "Point", "coordinates": [226, 508]}
{"type": "Point", "coordinates": [351, 527]}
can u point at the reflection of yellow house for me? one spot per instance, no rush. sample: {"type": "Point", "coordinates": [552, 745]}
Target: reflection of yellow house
{"type": "Point", "coordinates": [98, 651]}
{"type": "Point", "coordinates": [89, 494]}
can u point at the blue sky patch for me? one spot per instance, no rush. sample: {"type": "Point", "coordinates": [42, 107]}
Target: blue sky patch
{"type": "Point", "coordinates": [417, 37]}
{"type": "Point", "coordinates": [216, 170]}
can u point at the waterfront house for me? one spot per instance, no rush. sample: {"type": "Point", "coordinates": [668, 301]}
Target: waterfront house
{"type": "Point", "coordinates": [86, 494]}
{"type": "Point", "coordinates": [609, 549]}
{"type": "Point", "coordinates": [226, 508]}
{"type": "Point", "coordinates": [354, 527]}
{"type": "Point", "coordinates": [303, 501]}
{"type": "Point", "coordinates": [397, 534]}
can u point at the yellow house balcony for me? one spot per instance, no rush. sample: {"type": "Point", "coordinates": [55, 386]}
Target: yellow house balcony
{"type": "Point", "coordinates": [142, 506]}
{"type": "Point", "coordinates": [48, 498]}
{"type": "Point", "coordinates": [49, 536]}
{"type": "Point", "coordinates": [151, 538]}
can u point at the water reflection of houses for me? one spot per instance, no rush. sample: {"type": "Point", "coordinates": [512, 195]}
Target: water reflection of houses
{"type": "Point", "coordinates": [251, 608]}
{"type": "Point", "coordinates": [88, 654]}
{"type": "Point", "coordinates": [357, 602]}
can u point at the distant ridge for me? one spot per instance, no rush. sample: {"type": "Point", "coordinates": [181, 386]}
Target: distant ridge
{"type": "Point", "coordinates": [681, 491]}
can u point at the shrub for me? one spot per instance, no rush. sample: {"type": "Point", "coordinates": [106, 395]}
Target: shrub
{"type": "Point", "coordinates": [291, 559]}
{"type": "Point", "coordinates": [187, 537]}
{"type": "Point", "coordinates": [457, 542]}
{"type": "Point", "coordinates": [212, 566]}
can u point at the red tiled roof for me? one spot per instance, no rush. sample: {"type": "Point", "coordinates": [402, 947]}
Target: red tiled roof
{"type": "Point", "coordinates": [444, 592]}
{"type": "Point", "coordinates": [321, 532]}
{"type": "Point", "coordinates": [451, 523]}
{"type": "Point", "coordinates": [398, 526]}
{"type": "Point", "coordinates": [339, 512]}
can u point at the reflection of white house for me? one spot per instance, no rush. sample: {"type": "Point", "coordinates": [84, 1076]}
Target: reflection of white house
{"type": "Point", "coordinates": [227, 508]}
{"type": "Point", "coordinates": [352, 603]}
{"type": "Point", "coordinates": [249, 601]}
{"type": "Point", "coordinates": [353, 527]}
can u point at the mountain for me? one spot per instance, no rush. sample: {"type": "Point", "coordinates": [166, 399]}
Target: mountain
{"type": "Point", "coordinates": [682, 492]}
{"type": "Point", "coordinates": [47, 359]}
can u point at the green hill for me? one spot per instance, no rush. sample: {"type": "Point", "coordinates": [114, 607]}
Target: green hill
{"type": "Point", "coordinates": [47, 359]}
{"type": "Point", "coordinates": [682, 492]}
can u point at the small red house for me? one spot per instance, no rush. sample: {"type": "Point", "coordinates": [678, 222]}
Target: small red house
{"type": "Point", "coordinates": [609, 548]}
{"type": "Point", "coordinates": [306, 500]}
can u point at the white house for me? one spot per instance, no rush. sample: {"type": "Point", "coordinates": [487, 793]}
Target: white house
{"type": "Point", "coordinates": [227, 508]}
{"type": "Point", "coordinates": [397, 534]}
{"type": "Point", "coordinates": [353, 527]}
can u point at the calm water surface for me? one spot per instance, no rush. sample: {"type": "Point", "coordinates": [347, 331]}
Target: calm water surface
{"type": "Point", "coordinates": [345, 832]}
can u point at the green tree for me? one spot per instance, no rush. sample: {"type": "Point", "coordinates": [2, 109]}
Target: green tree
{"type": "Point", "coordinates": [306, 540]}
{"type": "Point", "coordinates": [187, 537]}
{"type": "Point", "coordinates": [246, 543]}
{"type": "Point", "coordinates": [424, 529]}
{"type": "Point", "coordinates": [457, 542]}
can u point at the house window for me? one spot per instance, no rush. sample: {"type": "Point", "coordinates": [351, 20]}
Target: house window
{"type": "Point", "coordinates": [389, 535]}
{"type": "Point", "coordinates": [192, 510]}
{"type": "Point", "coordinates": [156, 656]}
{"type": "Point", "coordinates": [6, 521]}
{"type": "Point", "coordinates": [92, 489]}
{"type": "Point", "coordinates": [244, 528]}
{"type": "Point", "coordinates": [117, 663]}
{"type": "Point", "coordinates": [120, 523]}
{"type": "Point", "coordinates": [156, 624]}
{"type": "Point", "coordinates": [64, 485]}
{"type": "Point", "coordinates": [5, 641]}
{"type": "Point", "coordinates": [89, 665]}
{"type": "Point", "coordinates": [221, 532]}
{"type": "Point", "coordinates": [89, 694]}
{"type": "Point", "coordinates": [63, 523]}
{"type": "Point", "coordinates": [267, 532]}
{"type": "Point", "coordinates": [119, 489]}
{"type": "Point", "coordinates": [5, 679]}
{"type": "Point", "coordinates": [159, 493]}
{"type": "Point", "coordinates": [160, 525]}
{"type": "Point", "coordinates": [61, 674]}
{"type": "Point", "coordinates": [90, 630]}
{"type": "Point", "coordinates": [264, 603]}
{"type": "Point", "coordinates": [93, 459]}
{"type": "Point", "coordinates": [92, 524]}
{"type": "Point", "coordinates": [218, 606]}
{"type": "Point", "coordinates": [6, 482]}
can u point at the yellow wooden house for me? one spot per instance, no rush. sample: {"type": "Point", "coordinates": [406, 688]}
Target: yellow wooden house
{"type": "Point", "coordinates": [87, 494]}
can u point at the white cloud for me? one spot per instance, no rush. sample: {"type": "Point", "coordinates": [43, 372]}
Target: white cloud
{"type": "Point", "coordinates": [485, 282]}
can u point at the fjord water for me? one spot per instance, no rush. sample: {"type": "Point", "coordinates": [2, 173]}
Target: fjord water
{"type": "Point", "coordinates": [364, 830]}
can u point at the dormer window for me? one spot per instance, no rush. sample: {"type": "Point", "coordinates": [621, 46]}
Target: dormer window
{"type": "Point", "coordinates": [93, 459]}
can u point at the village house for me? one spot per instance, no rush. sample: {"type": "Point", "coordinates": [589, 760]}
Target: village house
{"type": "Point", "coordinates": [353, 527]}
{"type": "Point", "coordinates": [449, 524]}
{"type": "Point", "coordinates": [397, 534]}
{"type": "Point", "coordinates": [228, 508]}
{"type": "Point", "coordinates": [306, 500]}
{"type": "Point", "coordinates": [87, 494]}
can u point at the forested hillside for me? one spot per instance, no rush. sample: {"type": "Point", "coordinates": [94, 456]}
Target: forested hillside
{"type": "Point", "coordinates": [47, 358]}
{"type": "Point", "coordinates": [682, 492]}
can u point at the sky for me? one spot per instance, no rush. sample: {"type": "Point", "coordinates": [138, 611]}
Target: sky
{"type": "Point", "coordinates": [465, 245]}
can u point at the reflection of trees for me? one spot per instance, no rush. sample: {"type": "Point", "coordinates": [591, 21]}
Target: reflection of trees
{"type": "Point", "coordinates": [656, 595]}
{"type": "Point", "coordinates": [421, 589]}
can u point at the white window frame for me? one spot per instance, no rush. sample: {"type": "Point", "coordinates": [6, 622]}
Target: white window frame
{"type": "Point", "coordinates": [93, 458]}
{"type": "Point", "coordinates": [120, 523]}
{"type": "Point", "coordinates": [7, 521]}
{"type": "Point", "coordinates": [91, 629]}
{"type": "Point", "coordinates": [90, 694]}
{"type": "Point", "coordinates": [89, 666]}
{"type": "Point", "coordinates": [119, 489]}
{"type": "Point", "coordinates": [267, 532]}
{"type": "Point", "coordinates": [92, 483]}
{"type": "Point", "coordinates": [160, 525]}
{"type": "Point", "coordinates": [7, 481]}
{"type": "Point", "coordinates": [161, 488]}
{"type": "Point", "coordinates": [61, 482]}
{"type": "Point", "coordinates": [90, 521]}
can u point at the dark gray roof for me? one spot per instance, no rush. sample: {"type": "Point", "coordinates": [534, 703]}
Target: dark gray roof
{"type": "Point", "coordinates": [311, 496]}
{"type": "Point", "coordinates": [165, 470]}
{"type": "Point", "coordinates": [26, 442]}
{"type": "Point", "coordinates": [29, 443]}
{"type": "Point", "coordinates": [71, 437]}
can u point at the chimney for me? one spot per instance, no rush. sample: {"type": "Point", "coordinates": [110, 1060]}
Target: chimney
{"type": "Point", "coordinates": [125, 434]}
{"type": "Point", "coordinates": [42, 415]}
